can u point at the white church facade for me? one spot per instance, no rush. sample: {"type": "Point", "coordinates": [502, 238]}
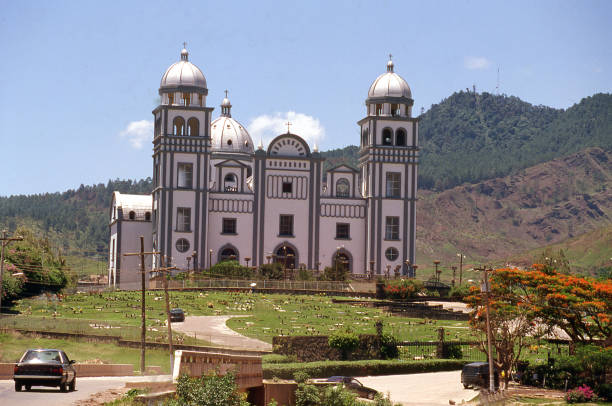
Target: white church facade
{"type": "Point", "coordinates": [216, 196]}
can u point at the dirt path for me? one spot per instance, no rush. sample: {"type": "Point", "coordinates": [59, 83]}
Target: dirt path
{"type": "Point", "coordinates": [214, 329]}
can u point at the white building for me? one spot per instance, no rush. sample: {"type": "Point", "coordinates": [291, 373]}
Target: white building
{"type": "Point", "coordinates": [215, 196]}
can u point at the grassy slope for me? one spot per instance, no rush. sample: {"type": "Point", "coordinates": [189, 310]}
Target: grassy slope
{"type": "Point", "coordinates": [265, 316]}
{"type": "Point", "coordinates": [12, 347]}
{"type": "Point", "coordinates": [585, 252]}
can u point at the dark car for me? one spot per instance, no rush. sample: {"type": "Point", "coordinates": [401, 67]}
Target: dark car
{"type": "Point", "coordinates": [177, 315]}
{"type": "Point", "coordinates": [476, 374]}
{"type": "Point", "coordinates": [353, 385]}
{"type": "Point", "coordinates": [44, 367]}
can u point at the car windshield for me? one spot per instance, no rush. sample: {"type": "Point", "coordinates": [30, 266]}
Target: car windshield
{"type": "Point", "coordinates": [356, 382]}
{"type": "Point", "coordinates": [42, 356]}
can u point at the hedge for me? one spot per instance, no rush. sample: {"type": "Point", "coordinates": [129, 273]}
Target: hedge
{"type": "Point", "coordinates": [323, 369]}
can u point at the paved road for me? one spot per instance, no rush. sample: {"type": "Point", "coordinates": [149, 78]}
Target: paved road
{"type": "Point", "coordinates": [430, 389]}
{"type": "Point", "coordinates": [85, 387]}
{"type": "Point", "coordinates": [213, 329]}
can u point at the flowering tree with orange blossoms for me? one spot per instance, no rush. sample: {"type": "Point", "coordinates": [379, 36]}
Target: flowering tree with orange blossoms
{"type": "Point", "coordinates": [579, 306]}
{"type": "Point", "coordinates": [511, 323]}
{"type": "Point", "coordinates": [532, 302]}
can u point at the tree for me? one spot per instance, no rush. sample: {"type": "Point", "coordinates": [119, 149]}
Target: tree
{"type": "Point", "coordinates": [511, 323]}
{"type": "Point", "coordinates": [579, 306]}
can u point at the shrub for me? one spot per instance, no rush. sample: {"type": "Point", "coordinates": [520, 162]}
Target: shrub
{"type": "Point", "coordinates": [459, 292]}
{"type": "Point", "coordinates": [579, 395]}
{"type": "Point", "coordinates": [452, 351]}
{"type": "Point", "coordinates": [278, 358]}
{"type": "Point", "coordinates": [300, 376]}
{"type": "Point", "coordinates": [231, 269]}
{"type": "Point", "coordinates": [403, 289]}
{"type": "Point", "coordinates": [345, 342]}
{"type": "Point", "coordinates": [338, 396]}
{"type": "Point", "coordinates": [388, 347]}
{"type": "Point", "coordinates": [335, 273]}
{"type": "Point", "coordinates": [209, 390]}
{"type": "Point", "coordinates": [307, 395]}
{"type": "Point", "coordinates": [604, 391]}
{"type": "Point", "coordinates": [271, 271]}
{"type": "Point", "coordinates": [323, 369]}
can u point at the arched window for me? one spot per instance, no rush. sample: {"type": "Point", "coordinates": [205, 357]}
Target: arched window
{"type": "Point", "coordinates": [364, 137]}
{"type": "Point", "coordinates": [178, 126]}
{"type": "Point", "coordinates": [286, 256]}
{"type": "Point", "coordinates": [158, 127]}
{"type": "Point", "coordinates": [395, 111]}
{"type": "Point", "coordinates": [387, 137]}
{"type": "Point", "coordinates": [379, 108]}
{"type": "Point", "coordinates": [193, 127]}
{"type": "Point", "coordinates": [228, 254]}
{"type": "Point", "coordinates": [148, 216]}
{"type": "Point", "coordinates": [400, 137]}
{"type": "Point", "coordinates": [230, 183]}
{"type": "Point", "coordinates": [132, 215]}
{"type": "Point", "coordinates": [343, 188]}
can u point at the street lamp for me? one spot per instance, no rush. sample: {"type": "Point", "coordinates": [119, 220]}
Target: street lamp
{"type": "Point", "coordinates": [408, 268]}
{"type": "Point", "coordinates": [414, 267]}
{"type": "Point", "coordinates": [486, 289]}
{"type": "Point", "coordinates": [210, 259]}
{"type": "Point", "coordinates": [194, 257]}
{"type": "Point", "coordinates": [436, 263]}
{"type": "Point", "coordinates": [247, 259]}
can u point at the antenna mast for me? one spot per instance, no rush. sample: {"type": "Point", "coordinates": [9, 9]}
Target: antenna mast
{"type": "Point", "coordinates": [497, 87]}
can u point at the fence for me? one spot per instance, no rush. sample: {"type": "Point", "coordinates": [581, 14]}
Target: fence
{"type": "Point", "coordinates": [252, 284]}
{"type": "Point", "coordinates": [466, 350]}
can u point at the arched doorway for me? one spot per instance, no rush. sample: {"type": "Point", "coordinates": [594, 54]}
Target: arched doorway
{"type": "Point", "coordinates": [228, 253]}
{"type": "Point", "coordinates": [342, 260]}
{"type": "Point", "coordinates": [286, 255]}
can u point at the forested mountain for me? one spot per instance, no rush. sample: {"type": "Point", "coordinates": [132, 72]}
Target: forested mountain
{"type": "Point", "coordinates": [470, 137]}
{"type": "Point", "coordinates": [467, 138]}
{"type": "Point", "coordinates": [75, 220]}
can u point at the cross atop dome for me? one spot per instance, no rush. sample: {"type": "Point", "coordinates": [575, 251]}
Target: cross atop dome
{"type": "Point", "coordinates": [226, 106]}
{"type": "Point", "coordinates": [184, 53]}
{"type": "Point", "coordinates": [390, 64]}
{"type": "Point", "coordinates": [288, 124]}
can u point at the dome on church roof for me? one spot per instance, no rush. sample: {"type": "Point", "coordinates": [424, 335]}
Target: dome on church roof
{"type": "Point", "coordinates": [389, 84]}
{"type": "Point", "coordinates": [183, 74]}
{"type": "Point", "coordinates": [227, 134]}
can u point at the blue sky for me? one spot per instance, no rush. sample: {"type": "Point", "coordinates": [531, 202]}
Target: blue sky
{"type": "Point", "coordinates": [77, 77]}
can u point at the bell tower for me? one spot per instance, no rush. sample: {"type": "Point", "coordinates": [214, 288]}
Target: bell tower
{"type": "Point", "coordinates": [181, 156]}
{"type": "Point", "coordinates": [388, 162]}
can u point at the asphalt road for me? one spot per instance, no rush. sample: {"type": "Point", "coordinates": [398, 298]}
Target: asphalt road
{"type": "Point", "coordinates": [430, 389]}
{"type": "Point", "coordinates": [40, 395]}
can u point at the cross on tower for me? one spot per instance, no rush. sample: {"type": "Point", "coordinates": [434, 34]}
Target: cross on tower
{"type": "Point", "coordinates": [226, 93]}
{"type": "Point", "coordinates": [185, 45]}
{"type": "Point", "coordinates": [288, 127]}
{"type": "Point", "coordinates": [390, 57]}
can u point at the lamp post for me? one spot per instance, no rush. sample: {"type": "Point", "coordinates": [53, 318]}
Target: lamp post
{"type": "Point", "coordinates": [194, 257]}
{"type": "Point", "coordinates": [461, 257]}
{"type": "Point", "coordinates": [408, 268]}
{"type": "Point", "coordinates": [268, 257]}
{"type": "Point", "coordinates": [247, 259]}
{"type": "Point", "coordinates": [210, 259]}
{"type": "Point", "coordinates": [414, 267]}
{"type": "Point", "coordinates": [436, 263]}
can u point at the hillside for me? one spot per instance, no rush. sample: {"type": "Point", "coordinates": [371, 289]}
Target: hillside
{"type": "Point", "coordinates": [497, 219]}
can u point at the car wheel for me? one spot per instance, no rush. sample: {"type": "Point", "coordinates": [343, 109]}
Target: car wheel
{"type": "Point", "coordinates": [17, 387]}
{"type": "Point", "coordinates": [28, 387]}
{"type": "Point", "coordinates": [63, 387]}
{"type": "Point", "coordinates": [72, 386]}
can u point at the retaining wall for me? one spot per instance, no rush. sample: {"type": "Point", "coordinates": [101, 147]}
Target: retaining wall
{"type": "Point", "coordinates": [316, 348]}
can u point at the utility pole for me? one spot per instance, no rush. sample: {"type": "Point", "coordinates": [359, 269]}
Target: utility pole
{"type": "Point", "coordinates": [164, 271]}
{"type": "Point", "coordinates": [461, 256]}
{"type": "Point", "coordinates": [143, 328]}
{"type": "Point", "coordinates": [487, 290]}
{"type": "Point", "coordinates": [5, 241]}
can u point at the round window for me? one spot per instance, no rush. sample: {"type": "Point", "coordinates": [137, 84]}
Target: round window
{"type": "Point", "coordinates": [229, 142]}
{"type": "Point", "coordinates": [391, 254]}
{"type": "Point", "coordinates": [182, 245]}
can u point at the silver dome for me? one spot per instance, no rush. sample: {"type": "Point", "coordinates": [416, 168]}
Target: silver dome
{"type": "Point", "coordinates": [183, 74]}
{"type": "Point", "coordinates": [389, 84]}
{"type": "Point", "coordinates": [228, 135]}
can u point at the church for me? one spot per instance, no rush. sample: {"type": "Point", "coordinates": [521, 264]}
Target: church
{"type": "Point", "coordinates": [217, 196]}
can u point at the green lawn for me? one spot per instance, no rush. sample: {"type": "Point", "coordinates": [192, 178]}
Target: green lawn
{"type": "Point", "coordinates": [264, 316]}
{"type": "Point", "coordinates": [13, 345]}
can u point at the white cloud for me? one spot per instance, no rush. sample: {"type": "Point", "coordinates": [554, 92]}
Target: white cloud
{"type": "Point", "coordinates": [267, 127]}
{"type": "Point", "coordinates": [476, 62]}
{"type": "Point", "coordinates": [137, 132]}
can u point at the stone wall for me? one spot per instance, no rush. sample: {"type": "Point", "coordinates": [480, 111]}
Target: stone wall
{"type": "Point", "coordinates": [316, 348]}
